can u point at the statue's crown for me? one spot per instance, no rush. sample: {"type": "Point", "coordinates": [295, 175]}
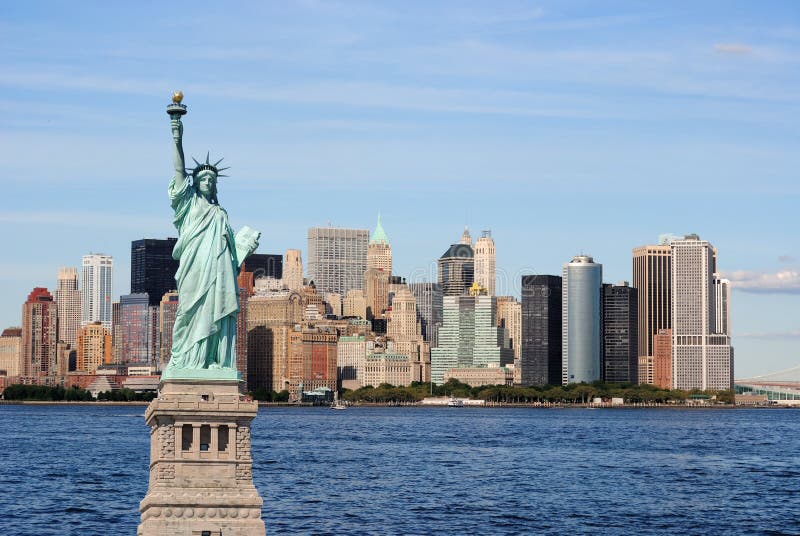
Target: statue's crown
{"type": "Point", "coordinates": [207, 166]}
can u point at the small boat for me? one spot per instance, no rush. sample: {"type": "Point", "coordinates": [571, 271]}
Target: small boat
{"type": "Point", "coordinates": [337, 404]}
{"type": "Point", "coordinates": [455, 402]}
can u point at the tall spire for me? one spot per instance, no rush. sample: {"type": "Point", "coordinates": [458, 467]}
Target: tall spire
{"type": "Point", "coordinates": [466, 238]}
{"type": "Point", "coordinates": [379, 235]}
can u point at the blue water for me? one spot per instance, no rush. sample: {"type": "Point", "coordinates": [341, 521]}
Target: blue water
{"type": "Point", "coordinates": [83, 470]}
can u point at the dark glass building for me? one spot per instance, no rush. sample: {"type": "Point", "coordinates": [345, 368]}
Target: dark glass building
{"type": "Point", "coordinates": [265, 265]}
{"type": "Point", "coordinates": [619, 306]}
{"type": "Point", "coordinates": [540, 357]}
{"type": "Point", "coordinates": [457, 270]}
{"type": "Point", "coordinates": [153, 268]}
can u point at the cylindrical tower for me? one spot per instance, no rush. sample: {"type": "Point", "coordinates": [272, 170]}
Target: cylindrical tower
{"type": "Point", "coordinates": [582, 284]}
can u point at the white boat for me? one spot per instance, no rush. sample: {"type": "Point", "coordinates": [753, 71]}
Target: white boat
{"type": "Point", "coordinates": [455, 403]}
{"type": "Point", "coordinates": [337, 404]}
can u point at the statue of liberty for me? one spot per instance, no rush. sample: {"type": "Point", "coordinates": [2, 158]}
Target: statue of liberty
{"type": "Point", "coordinates": [209, 257]}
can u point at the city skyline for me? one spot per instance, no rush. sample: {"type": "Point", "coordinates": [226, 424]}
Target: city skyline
{"type": "Point", "coordinates": [531, 120]}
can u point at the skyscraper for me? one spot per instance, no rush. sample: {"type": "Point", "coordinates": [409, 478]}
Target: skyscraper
{"type": "Point", "coordinates": [404, 332]}
{"type": "Point", "coordinates": [456, 269]}
{"type": "Point", "coordinates": [337, 259]}
{"type": "Point", "coordinates": [701, 358]}
{"type": "Point", "coordinates": [509, 317]}
{"type": "Point", "coordinates": [11, 364]}
{"type": "Point", "coordinates": [39, 334]}
{"type": "Point", "coordinates": [652, 279]}
{"type": "Point", "coordinates": [378, 274]}
{"type": "Point", "coordinates": [722, 297]}
{"type": "Point", "coordinates": [486, 263]}
{"type": "Point", "coordinates": [97, 281]}
{"type": "Point", "coordinates": [168, 310]}
{"type": "Point", "coordinates": [429, 309]}
{"type": "Point", "coordinates": [581, 340]}
{"type": "Point", "coordinates": [541, 330]}
{"type": "Point", "coordinates": [94, 347]}
{"type": "Point", "coordinates": [138, 330]}
{"type": "Point", "coordinates": [469, 336]}
{"type": "Point", "coordinates": [293, 270]}
{"type": "Point", "coordinates": [620, 340]}
{"type": "Point", "coordinates": [68, 302]}
{"type": "Point", "coordinates": [153, 268]}
{"type": "Point", "coordinates": [466, 238]}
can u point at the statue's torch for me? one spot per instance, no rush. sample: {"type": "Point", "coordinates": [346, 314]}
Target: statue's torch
{"type": "Point", "coordinates": [176, 109]}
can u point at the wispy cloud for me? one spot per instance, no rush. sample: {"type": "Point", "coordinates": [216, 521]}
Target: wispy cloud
{"type": "Point", "coordinates": [736, 49]}
{"type": "Point", "coordinates": [769, 335]}
{"type": "Point", "coordinates": [107, 220]}
{"type": "Point", "coordinates": [785, 281]}
{"type": "Point", "coordinates": [787, 259]}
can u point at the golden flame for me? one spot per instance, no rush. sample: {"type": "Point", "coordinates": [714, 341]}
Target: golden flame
{"type": "Point", "coordinates": [177, 97]}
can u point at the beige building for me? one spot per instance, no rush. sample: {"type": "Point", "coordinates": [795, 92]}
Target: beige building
{"type": "Point", "coordinates": [354, 304]}
{"type": "Point", "coordinates": [509, 317]}
{"type": "Point", "coordinates": [486, 263]}
{"type": "Point", "coordinates": [391, 368]}
{"type": "Point", "coordinates": [11, 352]}
{"type": "Point", "coordinates": [293, 270]}
{"type": "Point", "coordinates": [351, 356]}
{"type": "Point", "coordinates": [333, 304]}
{"type": "Point", "coordinates": [645, 369]}
{"type": "Point", "coordinates": [479, 376]}
{"type": "Point", "coordinates": [94, 348]}
{"type": "Point", "coordinates": [405, 334]}
{"type": "Point", "coordinates": [312, 359]}
{"type": "Point", "coordinates": [68, 301]}
{"type": "Point", "coordinates": [378, 273]}
{"type": "Point", "coordinates": [270, 319]}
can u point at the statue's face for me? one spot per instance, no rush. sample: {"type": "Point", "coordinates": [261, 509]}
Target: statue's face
{"type": "Point", "coordinates": [206, 182]}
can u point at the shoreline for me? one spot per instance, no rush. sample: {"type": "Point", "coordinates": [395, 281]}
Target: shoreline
{"type": "Point", "coordinates": [415, 405]}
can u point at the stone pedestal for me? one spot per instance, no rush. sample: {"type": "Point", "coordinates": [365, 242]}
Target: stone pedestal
{"type": "Point", "coordinates": [201, 481]}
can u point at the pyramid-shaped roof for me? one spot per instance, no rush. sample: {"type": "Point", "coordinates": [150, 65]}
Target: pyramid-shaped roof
{"type": "Point", "coordinates": [379, 235]}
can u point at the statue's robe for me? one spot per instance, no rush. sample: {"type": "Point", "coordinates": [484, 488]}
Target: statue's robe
{"type": "Point", "coordinates": [208, 300]}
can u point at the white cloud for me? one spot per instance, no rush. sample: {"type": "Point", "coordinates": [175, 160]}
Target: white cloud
{"type": "Point", "coordinates": [784, 281]}
{"type": "Point", "coordinates": [769, 335]}
{"type": "Point", "coordinates": [736, 49]}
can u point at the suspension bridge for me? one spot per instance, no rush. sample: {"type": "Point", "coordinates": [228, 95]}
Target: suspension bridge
{"type": "Point", "coordinates": [782, 387]}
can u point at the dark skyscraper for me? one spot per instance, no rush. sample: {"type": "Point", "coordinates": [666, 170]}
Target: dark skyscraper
{"type": "Point", "coordinates": [265, 265]}
{"type": "Point", "coordinates": [153, 268]}
{"type": "Point", "coordinates": [541, 330]}
{"type": "Point", "coordinates": [620, 329]}
{"type": "Point", "coordinates": [456, 270]}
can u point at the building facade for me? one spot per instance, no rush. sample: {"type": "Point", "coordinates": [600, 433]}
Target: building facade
{"type": "Point", "coordinates": [469, 336]}
{"type": "Point", "coordinates": [581, 340]}
{"type": "Point", "coordinates": [387, 367]}
{"type": "Point", "coordinates": [266, 265]}
{"type": "Point", "coordinates": [11, 353]}
{"type": "Point", "coordinates": [312, 359]}
{"type": "Point", "coordinates": [486, 263]}
{"type": "Point", "coordinates": [153, 268]}
{"type": "Point", "coordinates": [509, 317]}
{"type": "Point", "coordinates": [540, 358]}
{"type": "Point", "coordinates": [701, 358]}
{"type": "Point", "coordinates": [351, 355]}
{"type": "Point", "coordinates": [662, 359]}
{"type": "Point", "coordinates": [293, 270]}
{"type": "Point", "coordinates": [94, 348]}
{"type": "Point", "coordinates": [138, 329]}
{"type": "Point", "coordinates": [39, 334]}
{"type": "Point", "coordinates": [429, 309]}
{"type": "Point", "coordinates": [620, 334]}
{"type": "Point", "coordinates": [456, 270]}
{"type": "Point", "coordinates": [652, 279]}
{"type": "Point", "coordinates": [68, 303]}
{"type": "Point", "coordinates": [337, 259]}
{"type": "Point", "coordinates": [168, 310]}
{"type": "Point", "coordinates": [98, 286]}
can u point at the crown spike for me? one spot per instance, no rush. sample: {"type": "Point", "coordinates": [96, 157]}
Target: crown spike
{"type": "Point", "coordinates": [195, 161]}
{"type": "Point", "coordinates": [208, 153]}
{"type": "Point", "coordinates": [218, 161]}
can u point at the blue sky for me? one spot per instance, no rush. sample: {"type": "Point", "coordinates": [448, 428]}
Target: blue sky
{"type": "Point", "coordinates": [563, 127]}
